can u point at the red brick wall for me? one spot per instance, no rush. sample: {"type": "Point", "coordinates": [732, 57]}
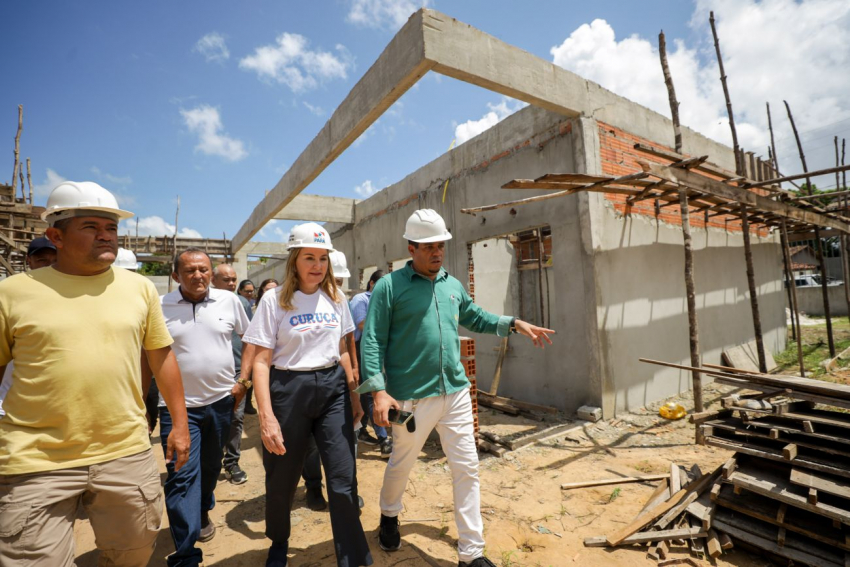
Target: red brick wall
{"type": "Point", "coordinates": [618, 156]}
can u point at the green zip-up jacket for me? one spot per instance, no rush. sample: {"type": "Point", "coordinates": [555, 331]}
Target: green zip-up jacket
{"type": "Point", "coordinates": [410, 344]}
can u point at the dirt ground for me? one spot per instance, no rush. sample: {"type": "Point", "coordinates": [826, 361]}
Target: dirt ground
{"type": "Point", "coordinates": [529, 520]}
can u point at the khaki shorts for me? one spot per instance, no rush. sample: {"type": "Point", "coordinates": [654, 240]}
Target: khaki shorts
{"type": "Point", "coordinates": [122, 498]}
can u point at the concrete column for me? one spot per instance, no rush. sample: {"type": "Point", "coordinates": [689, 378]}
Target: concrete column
{"type": "Point", "coordinates": [240, 265]}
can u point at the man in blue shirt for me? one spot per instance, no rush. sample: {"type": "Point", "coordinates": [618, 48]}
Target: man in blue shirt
{"type": "Point", "coordinates": [359, 308]}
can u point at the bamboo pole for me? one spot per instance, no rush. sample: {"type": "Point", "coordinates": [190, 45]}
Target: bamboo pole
{"type": "Point", "coordinates": [794, 305]}
{"type": "Point", "coordinates": [824, 289]}
{"type": "Point", "coordinates": [741, 169]}
{"type": "Point", "coordinates": [789, 276]}
{"type": "Point", "coordinates": [842, 239]}
{"type": "Point", "coordinates": [671, 92]}
{"type": "Point", "coordinates": [735, 147]}
{"type": "Point", "coordinates": [174, 240]}
{"type": "Point", "coordinates": [29, 178]}
{"type": "Point", "coordinates": [17, 149]}
{"type": "Point", "coordinates": [751, 282]}
{"type": "Point", "coordinates": [690, 289]}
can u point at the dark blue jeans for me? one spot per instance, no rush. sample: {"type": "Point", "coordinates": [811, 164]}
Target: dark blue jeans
{"type": "Point", "coordinates": [191, 489]}
{"type": "Point", "coordinates": [368, 403]}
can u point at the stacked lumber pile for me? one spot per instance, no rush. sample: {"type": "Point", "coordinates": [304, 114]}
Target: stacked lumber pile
{"type": "Point", "coordinates": [786, 490]}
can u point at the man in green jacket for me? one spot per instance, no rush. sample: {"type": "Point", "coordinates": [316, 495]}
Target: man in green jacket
{"type": "Point", "coordinates": [411, 361]}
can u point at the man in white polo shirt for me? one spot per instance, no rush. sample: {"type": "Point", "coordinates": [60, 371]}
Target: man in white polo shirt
{"type": "Point", "coordinates": [201, 320]}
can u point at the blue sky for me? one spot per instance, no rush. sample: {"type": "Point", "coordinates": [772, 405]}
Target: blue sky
{"type": "Point", "coordinates": [158, 99]}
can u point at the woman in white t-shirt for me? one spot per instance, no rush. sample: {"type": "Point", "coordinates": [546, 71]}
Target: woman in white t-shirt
{"type": "Point", "coordinates": [304, 387]}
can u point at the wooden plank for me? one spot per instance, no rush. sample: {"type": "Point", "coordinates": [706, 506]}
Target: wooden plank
{"type": "Point", "coordinates": [769, 484]}
{"type": "Point", "coordinates": [719, 189]}
{"type": "Point", "coordinates": [810, 479]}
{"type": "Point", "coordinates": [609, 481]}
{"type": "Point", "coordinates": [644, 537]}
{"type": "Point", "coordinates": [694, 490]}
{"type": "Point", "coordinates": [766, 532]}
{"type": "Point", "coordinates": [714, 549]}
{"type": "Point", "coordinates": [702, 509]}
{"type": "Point", "coordinates": [675, 479]}
{"type": "Point", "coordinates": [646, 517]}
{"type": "Point", "coordinates": [790, 429]}
{"type": "Point", "coordinates": [768, 545]}
{"type": "Point", "coordinates": [794, 383]}
{"type": "Point", "coordinates": [774, 512]}
{"type": "Point", "coordinates": [502, 407]}
{"type": "Point", "coordinates": [740, 428]}
{"type": "Point", "coordinates": [660, 494]}
{"type": "Point", "coordinates": [737, 382]}
{"type": "Point", "coordinates": [517, 403]}
{"type": "Point", "coordinates": [745, 357]}
{"type": "Point", "coordinates": [729, 467]}
{"type": "Point", "coordinates": [789, 452]}
{"type": "Point", "coordinates": [725, 541]}
{"type": "Point", "coordinates": [749, 448]}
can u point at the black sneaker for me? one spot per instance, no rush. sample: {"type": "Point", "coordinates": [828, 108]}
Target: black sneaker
{"type": "Point", "coordinates": [207, 527]}
{"type": "Point", "coordinates": [389, 537]}
{"type": "Point", "coordinates": [364, 437]}
{"type": "Point", "coordinates": [386, 448]}
{"type": "Point", "coordinates": [360, 502]}
{"type": "Point", "coordinates": [236, 475]}
{"type": "Point", "coordinates": [316, 500]}
{"type": "Point", "coordinates": [277, 555]}
{"type": "Point", "coordinates": [477, 562]}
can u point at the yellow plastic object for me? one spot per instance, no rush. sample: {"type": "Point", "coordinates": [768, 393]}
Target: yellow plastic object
{"type": "Point", "coordinates": [672, 410]}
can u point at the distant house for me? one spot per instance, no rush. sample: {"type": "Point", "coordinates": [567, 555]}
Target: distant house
{"type": "Point", "coordinates": [804, 261]}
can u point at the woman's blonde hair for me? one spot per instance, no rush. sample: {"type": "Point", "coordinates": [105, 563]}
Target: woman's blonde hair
{"type": "Point", "coordinates": [290, 282]}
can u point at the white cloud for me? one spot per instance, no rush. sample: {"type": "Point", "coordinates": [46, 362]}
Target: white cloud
{"type": "Point", "coordinates": [205, 121]}
{"type": "Point", "coordinates": [317, 110]}
{"type": "Point", "coordinates": [497, 113]}
{"type": "Point", "coordinates": [772, 49]}
{"type": "Point", "coordinates": [51, 180]}
{"type": "Point", "coordinates": [366, 189]}
{"type": "Point", "coordinates": [386, 14]}
{"type": "Point", "coordinates": [290, 62]}
{"type": "Point", "coordinates": [155, 226]}
{"type": "Point", "coordinates": [213, 47]}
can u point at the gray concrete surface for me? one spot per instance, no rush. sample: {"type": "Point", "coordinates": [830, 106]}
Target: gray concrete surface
{"type": "Point", "coordinates": [810, 300]}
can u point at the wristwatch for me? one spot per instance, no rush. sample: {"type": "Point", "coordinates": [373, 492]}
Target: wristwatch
{"type": "Point", "coordinates": [513, 326]}
{"type": "Point", "coordinates": [244, 382]}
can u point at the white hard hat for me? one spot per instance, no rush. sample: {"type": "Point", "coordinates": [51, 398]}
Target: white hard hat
{"type": "Point", "coordinates": [125, 259]}
{"type": "Point", "coordinates": [309, 235]}
{"type": "Point", "coordinates": [339, 264]}
{"type": "Point", "coordinates": [425, 225]}
{"type": "Point", "coordinates": [72, 198]}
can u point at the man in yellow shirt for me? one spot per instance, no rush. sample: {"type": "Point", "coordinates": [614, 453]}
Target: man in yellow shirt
{"type": "Point", "coordinates": [74, 430]}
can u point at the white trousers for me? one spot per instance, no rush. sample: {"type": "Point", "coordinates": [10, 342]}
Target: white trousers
{"type": "Point", "coordinates": [452, 416]}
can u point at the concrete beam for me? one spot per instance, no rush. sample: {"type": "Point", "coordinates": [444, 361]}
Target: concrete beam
{"type": "Point", "coordinates": [397, 69]}
{"type": "Point", "coordinates": [318, 208]}
{"type": "Point", "coordinates": [264, 249]}
{"type": "Point", "coordinates": [433, 41]}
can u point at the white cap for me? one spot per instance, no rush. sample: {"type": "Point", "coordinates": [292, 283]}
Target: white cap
{"type": "Point", "coordinates": [339, 265]}
{"type": "Point", "coordinates": [81, 198]}
{"type": "Point", "coordinates": [425, 225]}
{"type": "Point", "coordinates": [125, 259]}
{"type": "Point", "coordinates": [309, 235]}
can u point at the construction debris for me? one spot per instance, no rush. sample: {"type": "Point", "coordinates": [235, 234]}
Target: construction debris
{"type": "Point", "coordinates": [784, 492]}
{"type": "Point", "coordinates": [589, 413]}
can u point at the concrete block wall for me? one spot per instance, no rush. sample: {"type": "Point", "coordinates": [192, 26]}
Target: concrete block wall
{"type": "Point", "coordinates": [639, 276]}
{"type": "Point", "coordinates": [528, 144]}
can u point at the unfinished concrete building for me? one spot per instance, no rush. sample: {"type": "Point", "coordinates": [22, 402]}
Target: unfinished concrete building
{"type": "Point", "coordinates": [605, 274]}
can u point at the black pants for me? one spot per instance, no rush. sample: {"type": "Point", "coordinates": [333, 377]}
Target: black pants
{"type": "Point", "coordinates": [315, 403]}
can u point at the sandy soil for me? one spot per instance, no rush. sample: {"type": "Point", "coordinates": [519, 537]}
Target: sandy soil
{"type": "Point", "coordinates": [529, 520]}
